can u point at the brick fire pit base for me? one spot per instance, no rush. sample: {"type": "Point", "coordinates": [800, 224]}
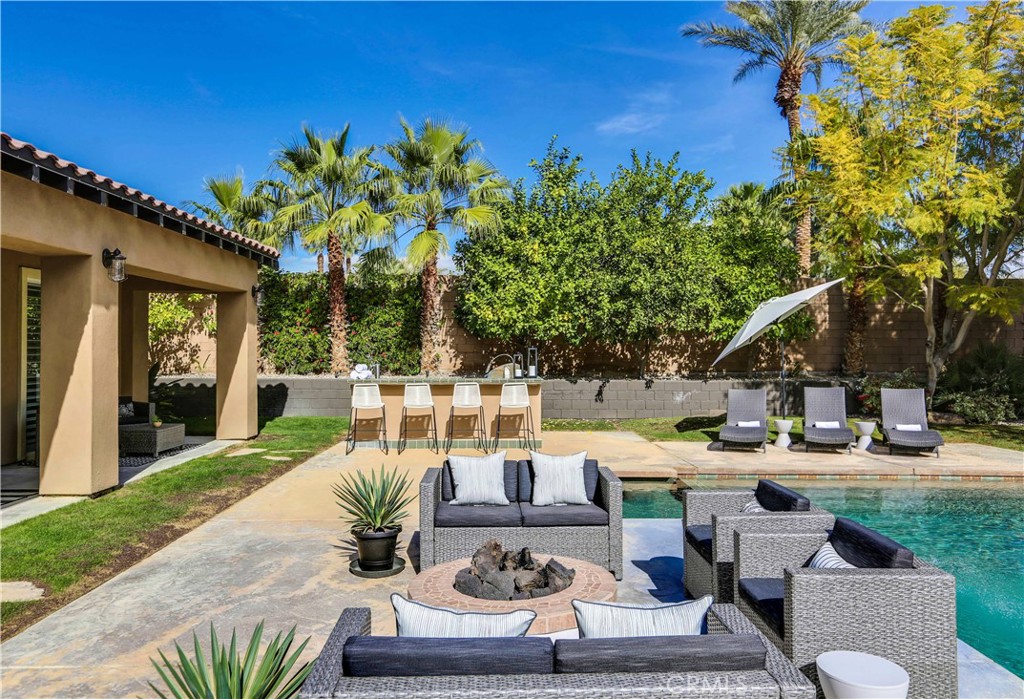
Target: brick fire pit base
{"type": "Point", "coordinates": [593, 583]}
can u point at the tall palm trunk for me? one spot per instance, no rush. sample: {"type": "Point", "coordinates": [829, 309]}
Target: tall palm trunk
{"type": "Point", "coordinates": [787, 97]}
{"type": "Point", "coordinates": [338, 312]}
{"type": "Point", "coordinates": [320, 262]}
{"type": "Point", "coordinates": [430, 318]}
{"type": "Point", "coordinates": [856, 318]}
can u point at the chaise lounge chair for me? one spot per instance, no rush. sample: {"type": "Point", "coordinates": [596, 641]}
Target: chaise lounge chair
{"type": "Point", "coordinates": [746, 406]}
{"type": "Point", "coordinates": [826, 406]}
{"type": "Point", "coordinates": [905, 421]}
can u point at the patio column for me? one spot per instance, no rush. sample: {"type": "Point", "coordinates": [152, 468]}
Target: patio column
{"type": "Point", "coordinates": [134, 347]}
{"type": "Point", "coordinates": [236, 366]}
{"type": "Point", "coordinates": [79, 377]}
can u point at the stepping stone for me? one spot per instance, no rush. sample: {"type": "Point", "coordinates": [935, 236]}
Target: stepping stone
{"type": "Point", "coordinates": [245, 452]}
{"type": "Point", "coordinates": [278, 458]}
{"type": "Point", "coordinates": [20, 591]}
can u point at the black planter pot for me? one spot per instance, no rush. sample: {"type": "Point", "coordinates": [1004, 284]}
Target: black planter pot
{"type": "Point", "coordinates": [377, 549]}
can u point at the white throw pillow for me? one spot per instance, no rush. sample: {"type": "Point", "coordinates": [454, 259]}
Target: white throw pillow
{"type": "Point", "coordinates": [558, 480]}
{"type": "Point", "coordinates": [423, 621]}
{"type": "Point", "coordinates": [828, 425]}
{"type": "Point", "coordinates": [828, 557]}
{"type": "Point", "coordinates": [603, 620]}
{"type": "Point", "coordinates": [478, 480]}
{"type": "Point", "coordinates": [748, 423]}
{"type": "Point", "coordinates": [908, 428]}
{"type": "Point", "coordinates": [753, 506]}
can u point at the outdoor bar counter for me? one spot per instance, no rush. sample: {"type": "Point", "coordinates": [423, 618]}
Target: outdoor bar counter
{"type": "Point", "coordinates": [418, 421]}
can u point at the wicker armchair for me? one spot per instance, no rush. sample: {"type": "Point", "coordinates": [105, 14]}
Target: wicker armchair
{"type": "Point", "coordinates": [779, 679]}
{"type": "Point", "coordinates": [746, 405]}
{"type": "Point", "coordinates": [905, 406]}
{"type": "Point", "coordinates": [590, 532]}
{"type": "Point", "coordinates": [826, 405]}
{"type": "Point", "coordinates": [709, 519]}
{"type": "Point", "coordinates": [907, 615]}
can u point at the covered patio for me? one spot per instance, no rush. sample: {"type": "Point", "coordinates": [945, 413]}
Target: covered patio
{"type": "Point", "coordinates": [75, 327]}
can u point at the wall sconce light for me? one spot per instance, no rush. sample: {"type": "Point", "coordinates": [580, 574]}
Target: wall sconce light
{"type": "Point", "coordinates": [257, 293]}
{"type": "Point", "coordinates": [114, 262]}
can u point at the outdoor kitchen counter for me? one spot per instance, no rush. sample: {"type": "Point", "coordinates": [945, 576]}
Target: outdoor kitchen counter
{"type": "Point", "coordinates": [418, 421]}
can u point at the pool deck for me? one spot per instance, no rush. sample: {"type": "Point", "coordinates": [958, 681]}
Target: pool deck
{"type": "Point", "coordinates": [280, 556]}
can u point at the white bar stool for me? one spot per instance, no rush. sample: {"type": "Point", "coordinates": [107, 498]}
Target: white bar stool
{"type": "Point", "coordinates": [516, 396]}
{"type": "Point", "coordinates": [466, 396]}
{"type": "Point", "coordinates": [366, 396]}
{"type": "Point", "coordinates": [417, 397]}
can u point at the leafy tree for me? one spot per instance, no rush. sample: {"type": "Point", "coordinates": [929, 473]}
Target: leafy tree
{"type": "Point", "coordinates": [921, 147]}
{"type": "Point", "coordinates": [439, 185]}
{"type": "Point", "coordinates": [535, 278]}
{"type": "Point", "coordinates": [798, 37]}
{"type": "Point", "coordinates": [327, 189]}
{"type": "Point", "coordinates": [230, 206]}
{"type": "Point", "coordinates": [653, 275]}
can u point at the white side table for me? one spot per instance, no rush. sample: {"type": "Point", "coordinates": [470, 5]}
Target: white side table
{"type": "Point", "coordinates": [847, 674]}
{"type": "Point", "coordinates": [864, 432]}
{"type": "Point", "coordinates": [783, 427]}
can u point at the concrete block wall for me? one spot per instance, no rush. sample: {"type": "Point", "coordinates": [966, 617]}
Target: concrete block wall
{"type": "Point", "coordinates": [277, 395]}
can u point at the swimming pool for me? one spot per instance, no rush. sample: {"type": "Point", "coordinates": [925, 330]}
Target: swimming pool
{"type": "Point", "coordinates": [976, 532]}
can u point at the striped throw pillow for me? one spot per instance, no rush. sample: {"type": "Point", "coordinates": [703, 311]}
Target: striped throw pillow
{"type": "Point", "coordinates": [558, 480]}
{"type": "Point", "coordinates": [828, 557]}
{"type": "Point", "coordinates": [423, 621]}
{"type": "Point", "coordinates": [602, 620]}
{"type": "Point", "coordinates": [752, 506]}
{"type": "Point", "coordinates": [479, 480]}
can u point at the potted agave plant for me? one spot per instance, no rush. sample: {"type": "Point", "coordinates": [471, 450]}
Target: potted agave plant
{"type": "Point", "coordinates": [374, 507]}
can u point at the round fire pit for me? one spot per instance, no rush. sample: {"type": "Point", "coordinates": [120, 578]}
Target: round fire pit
{"type": "Point", "coordinates": [592, 583]}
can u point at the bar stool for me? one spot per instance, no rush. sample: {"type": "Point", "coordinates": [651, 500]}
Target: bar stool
{"type": "Point", "coordinates": [516, 396]}
{"type": "Point", "coordinates": [417, 397]}
{"type": "Point", "coordinates": [366, 396]}
{"type": "Point", "coordinates": [466, 396]}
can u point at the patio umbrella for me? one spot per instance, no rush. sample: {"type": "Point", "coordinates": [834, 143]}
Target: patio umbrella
{"type": "Point", "coordinates": [768, 314]}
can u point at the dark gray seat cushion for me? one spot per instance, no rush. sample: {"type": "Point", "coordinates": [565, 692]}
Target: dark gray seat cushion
{"type": "Point", "coordinates": [590, 479]}
{"type": "Point", "coordinates": [589, 515]}
{"type": "Point", "coordinates": [448, 515]}
{"type": "Point", "coordinates": [719, 652]}
{"type": "Point", "coordinates": [825, 435]}
{"type": "Point", "coordinates": [699, 536]}
{"type": "Point", "coordinates": [866, 548]}
{"type": "Point", "coordinates": [391, 656]}
{"type": "Point", "coordinates": [925, 439]}
{"type": "Point", "coordinates": [779, 498]}
{"type": "Point", "coordinates": [743, 435]}
{"type": "Point", "coordinates": [511, 481]}
{"type": "Point", "coordinates": [768, 598]}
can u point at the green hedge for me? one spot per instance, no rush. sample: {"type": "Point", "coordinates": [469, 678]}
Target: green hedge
{"type": "Point", "coordinates": [295, 336]}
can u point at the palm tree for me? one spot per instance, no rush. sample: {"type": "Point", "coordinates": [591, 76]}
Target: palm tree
{"type": "Point", "coordinates": [326, 203]}
{"type": "Point", "coordinates": [439, 185]}
{"type": "Point", "coordinates": [798, 37]}
{"type": "Point", "coordinates": [231, 207]}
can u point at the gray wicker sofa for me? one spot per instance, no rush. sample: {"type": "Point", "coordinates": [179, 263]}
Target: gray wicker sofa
{"type": "Point", "coordinates": [892, 604]}
{"type": "Point", "coordinates": [711, 516]}
{"type": "Point", "coordinates": [732, 660]}
{"type": "Point", "coordinates": [591, 532]}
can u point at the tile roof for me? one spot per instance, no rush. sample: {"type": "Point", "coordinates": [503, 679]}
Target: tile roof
{"type": "Point", "coordinates": [66, 167]}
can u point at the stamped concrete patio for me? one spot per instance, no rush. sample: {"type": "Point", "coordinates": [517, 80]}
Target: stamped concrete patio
{"type": "Point", "coordinates": [278, 556]}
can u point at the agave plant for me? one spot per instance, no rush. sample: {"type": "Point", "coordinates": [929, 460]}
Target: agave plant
{"type": "Point", "coordinates": [231, 675]}
{"type": "Point", "coordinates": [376, 503]}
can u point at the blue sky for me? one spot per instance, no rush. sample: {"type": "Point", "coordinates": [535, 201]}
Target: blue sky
{"type": "Point", "coordinates": [160, 95]}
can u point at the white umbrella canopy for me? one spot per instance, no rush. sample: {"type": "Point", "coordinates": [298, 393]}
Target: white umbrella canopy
{"type": "Point", "coordinates": [769, 313]}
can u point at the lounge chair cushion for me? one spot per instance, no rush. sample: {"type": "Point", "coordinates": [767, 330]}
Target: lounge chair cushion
{"type": "Point", "coordinates": [590, 479]}
{"type": "Point", "coordinates": [478, 480]}
{"type": "Point", "coordinates": [925, 439]}
{"type": "Point", "coordinates": [909, 428]}
{"type": "Point", "coordinates": [712, 653]}
{"type": "Point", "coordinates": [828, 435]}
{"type": "Point", "coordinates": [449, 515]}
{"type": "Point", "coordinates": [866, 548]}
{"type": "Point", "coordinates": [699, 536]}
{"type": "Point", "coordinates": [390, 656]}
{"type": "Point", "coordinates": [511, 478]}
{"type": "Point", "coordinates": [743, 435]}
{"type": "Point", "coordinates": [827, 424]}
{"type": "Point", "coordinates": [779, 498]}
{"type": "Point", "coordinates": [589, 515]}
{"type": "Point", "coordinates": [767, 596]}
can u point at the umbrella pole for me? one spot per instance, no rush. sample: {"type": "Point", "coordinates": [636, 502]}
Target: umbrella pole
{"type": "Point", "coordinates": [782, 373]}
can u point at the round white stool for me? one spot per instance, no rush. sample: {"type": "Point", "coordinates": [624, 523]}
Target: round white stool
{"type": "Point", "coordinates": [864, 431]}
{"type": "Point", "coordinates": [783, 427]}
{"type": "Point", "coordinates": [847, 674]}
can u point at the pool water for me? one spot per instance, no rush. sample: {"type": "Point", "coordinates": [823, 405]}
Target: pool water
{"type": "Point", "coordinates": [975, 532]}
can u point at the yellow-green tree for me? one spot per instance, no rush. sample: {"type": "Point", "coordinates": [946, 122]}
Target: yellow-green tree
{"type": "Point", "coordinates": [920, 153]}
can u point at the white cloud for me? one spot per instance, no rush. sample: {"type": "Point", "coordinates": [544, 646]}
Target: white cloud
{"type": "Point", "coordinates": [645, 111]}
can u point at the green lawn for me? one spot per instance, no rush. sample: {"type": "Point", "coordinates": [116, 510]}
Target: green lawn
{"type": "Point", "coordinates": [574, 425]}
{"type": "Point", "coordinates": [71, 550]}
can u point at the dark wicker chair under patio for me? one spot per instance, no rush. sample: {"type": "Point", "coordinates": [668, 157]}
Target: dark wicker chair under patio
{"type": "Point", "coordinates": [746, 405]}
{"type": "Point", "coordinates": [826, 405]}
{"type": "Point", "coordinates": [905, 406]}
